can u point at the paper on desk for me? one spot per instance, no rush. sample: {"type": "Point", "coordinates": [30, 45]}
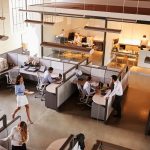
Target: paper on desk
{"type": "Point", "coordinates": [30, 92]}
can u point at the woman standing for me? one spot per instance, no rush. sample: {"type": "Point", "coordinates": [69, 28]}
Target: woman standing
{"type": "Point", "coordinates": [21, 97]}
{"type": "Point", "coordinates": [18, 136]}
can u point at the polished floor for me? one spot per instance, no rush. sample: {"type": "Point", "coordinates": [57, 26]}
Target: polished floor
{"type": "Point", "coordinates": [50, 125]}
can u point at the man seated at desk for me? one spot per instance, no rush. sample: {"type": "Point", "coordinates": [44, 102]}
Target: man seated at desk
{"type": "Point", "coordinates": [47, 79]}
{"type": "Point", "coordinates": [87, 87]}
{"type": "Point", "coordinates": [77, 39]}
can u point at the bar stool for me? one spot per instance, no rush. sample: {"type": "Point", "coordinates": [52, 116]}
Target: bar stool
{"type": "Point", "coordinates": [119, 59]}
{"type": "Point", "coordinates": [132, 60]}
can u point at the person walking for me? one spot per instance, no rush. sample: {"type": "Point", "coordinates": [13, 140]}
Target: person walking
{"type": "Point", "coordinates": [117, 92]}
{"type": "Point", "coordinates": [18, 136]}
{"type": "Point", "coordinates": [21, 97]}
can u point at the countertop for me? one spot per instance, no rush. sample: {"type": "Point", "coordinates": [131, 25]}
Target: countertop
{"type": "Point", "coordinates": [51, 88]}
{"type": "Point", "coordinates": [99, 99]}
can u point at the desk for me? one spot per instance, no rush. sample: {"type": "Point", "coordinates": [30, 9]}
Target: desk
{"type": "Point", "coordinates": [56, 145]}
{"type": "Point", "coordinates": [81, 82]}
{"type": "Point", "coordinates": [50, 96]}
{"type": "Point", "coordinates": [100, 106]}
{"type": "Point", "coordinates": [33, 75]}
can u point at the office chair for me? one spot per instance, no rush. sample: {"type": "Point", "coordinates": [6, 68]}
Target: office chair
{"type": "Point", "coordinates": [84, 97]}
{"type": "Point", "coordinates": [11, 78]}
{"type": "Point", "coordinates": [40, 88]}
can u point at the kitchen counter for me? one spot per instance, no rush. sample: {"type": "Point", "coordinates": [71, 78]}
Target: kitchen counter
{"type": "Point", "coordinates": [141, 61]}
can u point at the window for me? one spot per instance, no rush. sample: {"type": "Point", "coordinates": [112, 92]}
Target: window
{"type": "Point", "coordinates": [18, 17]}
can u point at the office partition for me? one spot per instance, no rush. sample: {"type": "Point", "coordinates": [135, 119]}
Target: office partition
{"type": "Point", "coordinates": [45, 62]}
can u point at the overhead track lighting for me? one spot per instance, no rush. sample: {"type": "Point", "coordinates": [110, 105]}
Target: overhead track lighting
{"type": "Point", "coordinates": [102, 29]}
{"type": "Point", "coordinates": [65, 46]}
{"type": "Point", "coordinates": [39, 22]}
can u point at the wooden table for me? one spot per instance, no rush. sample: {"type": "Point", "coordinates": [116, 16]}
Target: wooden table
{"type": "Point", "coordinates": [56, 145]}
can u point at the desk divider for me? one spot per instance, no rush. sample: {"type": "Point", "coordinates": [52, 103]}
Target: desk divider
{"type": "Point", "coordinates": [69, 88]}
{"type": "Point", "coordinates": [21, 59]}
{"type": "Point", "coordinates": [57, 65]}
{"type": "Point", "coordinates": [45, 62]}
{"type": "Point", "coordinates": [12, 58]}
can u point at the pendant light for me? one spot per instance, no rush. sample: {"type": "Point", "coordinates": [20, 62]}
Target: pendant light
{"type": "Point", "coordinates": [3, 37]}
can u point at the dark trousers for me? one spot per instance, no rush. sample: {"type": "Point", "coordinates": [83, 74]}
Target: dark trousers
{"type": "Point", "coordinates": [143, 46]}
{"type": "Point", "coordinates": [23, 147]}
{"type": "Point", "coordinates": [117, 104]}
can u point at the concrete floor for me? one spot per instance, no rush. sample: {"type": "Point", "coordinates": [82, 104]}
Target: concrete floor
{"type": "Point", "coordinates": [50, 125]}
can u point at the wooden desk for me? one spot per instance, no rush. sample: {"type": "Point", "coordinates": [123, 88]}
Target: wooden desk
{"type": "Point", "coordinates": [56, 145]}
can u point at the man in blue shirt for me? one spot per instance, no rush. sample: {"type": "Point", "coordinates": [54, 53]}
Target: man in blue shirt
{"type": "Point", "coordinates": [47, 79]}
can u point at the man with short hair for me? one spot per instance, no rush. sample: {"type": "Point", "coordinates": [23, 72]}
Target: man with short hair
{"type": "Point", "coordinates": [87, 86]}
{"type": "Point", "coordinates": [47, 79]}
{"type": "Point", "coordinates": [117, 92]}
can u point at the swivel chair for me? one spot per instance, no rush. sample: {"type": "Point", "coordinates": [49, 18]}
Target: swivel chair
{"type": "Point", "coordinates": [85, 98]}
{"type": "Point", "coordinates": [40, 87]}
{"type": "Point", "coordinates": [11, 78]}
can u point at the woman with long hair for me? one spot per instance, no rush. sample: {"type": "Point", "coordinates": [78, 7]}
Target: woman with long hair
{"type": "Point", "coordinates": [21, 97]}
{"type": "Point", "coordinates": [18, 136]}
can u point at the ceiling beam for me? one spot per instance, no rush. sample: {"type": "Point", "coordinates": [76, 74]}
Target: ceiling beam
{"type": "Point", "coordinates": [68, 46]}
{"type": "Point", "coordinates": [102, 29]}
{"type": "Point", "coordinates": [39, 22]}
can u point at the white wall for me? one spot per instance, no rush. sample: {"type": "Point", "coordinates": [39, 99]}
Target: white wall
{"type": "Point", "coordinates": [32, 38]}
{"type": "Point", "coordinates": [14, 41]}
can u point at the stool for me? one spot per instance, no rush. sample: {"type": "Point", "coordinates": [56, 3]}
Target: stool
{"type": "Point", "coordinates": [133, 60]}
{"type": "Point", "coordinates": [119, 58]}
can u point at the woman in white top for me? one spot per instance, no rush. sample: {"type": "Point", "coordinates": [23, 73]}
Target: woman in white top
{"type": "Point", "coordinates": [21, 97]}
{"type": "Point", "coordinates": [18, 136]}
